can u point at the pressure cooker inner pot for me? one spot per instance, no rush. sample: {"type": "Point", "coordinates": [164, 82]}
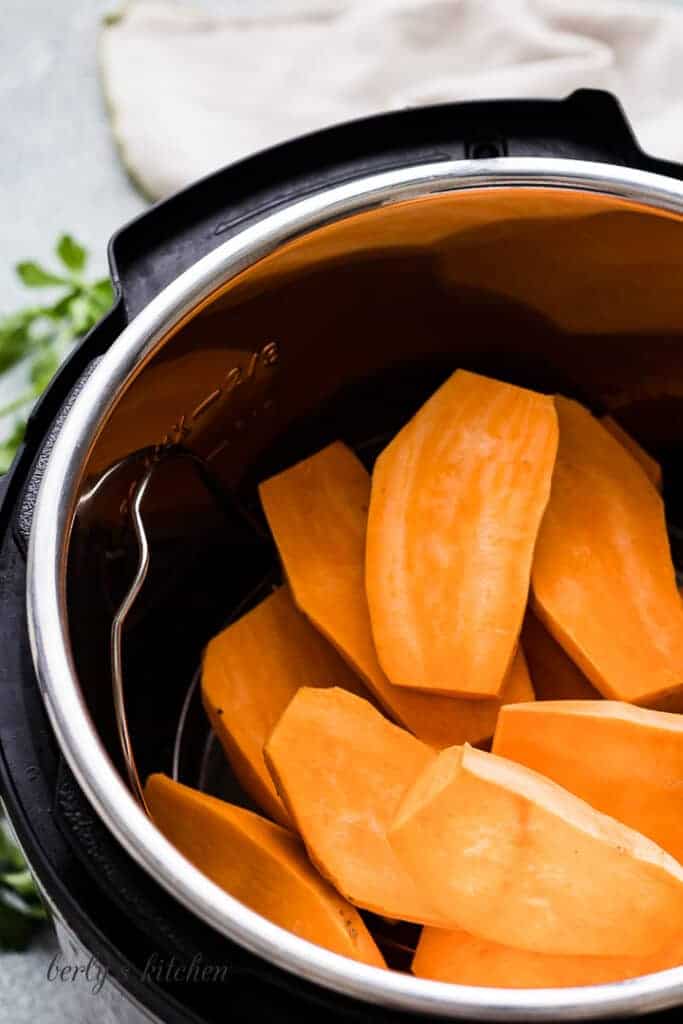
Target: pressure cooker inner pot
{"type": "Point", "coordinates": [341, 334]}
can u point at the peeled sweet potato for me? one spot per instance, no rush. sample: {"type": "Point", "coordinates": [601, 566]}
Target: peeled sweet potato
{"type": "Point", "coordinates": [261, 864]}
{"type": "Point", "coordinates": [250, 673]}
{"type": "Point", "coordinates": [317, 511]}
{"type": "Point", "coordinates": [341, 769]}
{"type": "Point", "coordinates": [463, 959]}
{"type": "Point", "coordinates": [651, 467]}
{"type": "Point", "coordinates": [457, 498]}
{"type": "Point", "coordinates": [553, 673]}
{"type": "Point", "coordinates": [517, 681]}
{"type": "Point", "coordinates": [623, 760]}
{"type": "Point", "coordinates": [505, 854]}
{"type": "Point", "coordinates": [603, 581]}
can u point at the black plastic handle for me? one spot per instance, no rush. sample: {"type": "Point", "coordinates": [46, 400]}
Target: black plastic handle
{"type": "Point", "coordinates": [152, 251]}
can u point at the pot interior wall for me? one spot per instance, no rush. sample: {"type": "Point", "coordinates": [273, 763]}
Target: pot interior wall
{"type": "Point", "coordinates": [342, 334]}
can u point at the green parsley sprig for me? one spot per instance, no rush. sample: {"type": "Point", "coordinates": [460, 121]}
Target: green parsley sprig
{"type": "Point", "coordinates": [40, 335]}
{"type": "Point", "coordinates": [21, 910]}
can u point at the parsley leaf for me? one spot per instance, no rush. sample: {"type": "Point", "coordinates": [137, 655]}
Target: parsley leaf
{"type": "Point", "coordinates": [71, 253]}
{"type": "Point", "coordinates": [9, 446]}
{"type": "Point", "coordinates": [20, 905]}
{"type": "Point", "coordinates": [35, 276]}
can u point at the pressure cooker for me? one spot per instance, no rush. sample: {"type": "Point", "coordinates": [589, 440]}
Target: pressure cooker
{"type": "Point", "coordinates": [316, 291]}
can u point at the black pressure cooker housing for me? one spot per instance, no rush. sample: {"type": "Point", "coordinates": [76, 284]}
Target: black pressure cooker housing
{"type": "Point", "coordinates": [97, 893]}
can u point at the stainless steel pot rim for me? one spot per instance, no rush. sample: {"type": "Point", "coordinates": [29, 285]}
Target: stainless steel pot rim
{"type": "Point", "coordinates": [47, 614]}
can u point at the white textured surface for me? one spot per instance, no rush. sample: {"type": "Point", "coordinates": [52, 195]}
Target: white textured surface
{"type": "Point", "coordinates": [191, 91]}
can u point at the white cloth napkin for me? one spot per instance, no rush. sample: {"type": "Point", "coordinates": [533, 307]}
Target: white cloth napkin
{"type": "Point", "coordinates": [190, 90]}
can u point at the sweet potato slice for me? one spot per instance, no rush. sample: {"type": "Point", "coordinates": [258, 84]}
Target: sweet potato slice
{"type": "Point", "coordinates": [517, 681]}
{"type": "Point", "coordinates": [457, 498]}
{"type": "Point", "coordinates": [261, 864]}
{"type": "Point", "coordinates": [603, 581]}
{"type": "Point", "coordinates": [651, 467]}
{"type": "Point", "coordinates": [317, 511]}
{"type": "Point", "coordinates": [634, 767]}
{"type": "Point", "coordinates": [341, 769]}
{"type": "Point", "coordinates": [504, 853]}
{"type": "Point", "coordinates": [463, 959]}
{"type": "Point", "coordinates": [553, 673]}
{"type": "Point", "coordinates": [250, 673]}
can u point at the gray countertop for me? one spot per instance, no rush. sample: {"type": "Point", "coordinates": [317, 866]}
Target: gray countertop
{"type": "Point", "coordinates": [60, 171]}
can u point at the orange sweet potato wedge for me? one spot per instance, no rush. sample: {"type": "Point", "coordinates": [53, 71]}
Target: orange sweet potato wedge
{"type": "Point", "coordinates": [457, 499]}
{"type": "Point", "coordinates": [623, 760]}
{"type": "Point", "coordinates": [317, 511]}
{"type": "Point", "coordinates": [463, 959]}
{"type": "Point", "coordinates": [651, 467]}
{"type": "Point", "coordinates": [250, 673]}
{"type": "Point", "coordinates": [261, 864]}
{"type": "Point", "coordinates": [505, 854]}
{"type": "Point", "coordinates": [341, 769]}
{"type": "Point", "coordinates": [603, 581]}
{"type": "Point", "coordinates": [553, 673]}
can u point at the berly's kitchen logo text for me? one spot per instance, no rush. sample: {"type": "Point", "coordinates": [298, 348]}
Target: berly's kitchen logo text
{"type": "Point", "coordinates": [157, 969]}
{"type": "Point", "coordinates": [173, 969]}
{"type": "Point", "coordinates": [90, 972]}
